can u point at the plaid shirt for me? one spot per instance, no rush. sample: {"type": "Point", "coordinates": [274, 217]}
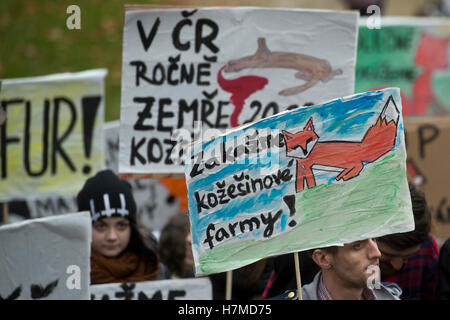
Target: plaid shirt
{"type": "Point", "coordinates": [322, 292]}
{"type": "Point", "coordinates": [419, 274]}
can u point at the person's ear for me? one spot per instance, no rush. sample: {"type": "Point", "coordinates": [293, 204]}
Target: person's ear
{"type": "Point", "coordinates": [322, 258]}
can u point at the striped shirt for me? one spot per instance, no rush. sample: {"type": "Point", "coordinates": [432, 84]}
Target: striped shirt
{"type": "Point", "coordinates": [322, 292]}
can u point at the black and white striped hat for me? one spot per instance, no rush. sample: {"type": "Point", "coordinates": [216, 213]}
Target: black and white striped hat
{"type": "Point", "coordinates": [105, 195]}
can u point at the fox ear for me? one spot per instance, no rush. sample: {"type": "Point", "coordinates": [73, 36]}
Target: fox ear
{"type": "Point", "coordinates": [287, 135]}
{"type": "Point", "coordinates": [309, 125]}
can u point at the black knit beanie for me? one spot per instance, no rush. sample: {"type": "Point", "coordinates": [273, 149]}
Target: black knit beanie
{"type": "Point", "coordinates": [105, 195]}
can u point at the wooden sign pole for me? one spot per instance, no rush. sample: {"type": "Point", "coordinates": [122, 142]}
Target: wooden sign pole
{"type": "Point", "coordinates": [229, 284]}
{"type": "Point", "coordinates": [297, 276]}
{"type": "Point", "coordinates": [5, 212]}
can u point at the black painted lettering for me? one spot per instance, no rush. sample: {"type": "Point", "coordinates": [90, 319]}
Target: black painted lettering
{"type": "Point", "coordinates": [135, 151]}
{"type": "Point", "coordinates": [172, 68]}
{"type": "Point", "coordinates": [427, 134]}
{"type": "Point", "coordinates": [147, 40]}
{"type": "Point", "coordinates": [171, 144]}
{"type": "Point", "coordinates": [57, 140]}
{"type": "Point", "coordinates": [209, 237]}
{"type": "Point", "coordinates": [159, 74]}
{"type": "Point", "coordinates": [249, 222]}
{"type": "Point", "coordinates": [141, 70]}
{"type": "Point", "coordinates": [219, 124]}
{"type": "Point", "coordinates": [187, 75]}
{"type": "Point", "coordinates": [222, 234]}
{"type": "Point", "coordinates": [200, 202]}
{"type": "Point", "coordinates": [176, 40]}
{"type": "Point", "coordinates": [184, 107]}
{"type": "Point", "coordinates": [206, 39]}
{"type": "Point", "coordinates": [152, 155]}
{"type": "Point", "coordinates": [207, 110]}
{"type": "Point", "coordinates": [27, 138]}
{"type": "Point", "coordinates": [203, 71]}
{"type": "Point", "coordinates": [144, 114]}
{"type": "Point", "coordinates": [163, 114]}
{"type": "Point", "coordinates": [4, 139]}
{"type": "Point", "coordinates": [270, 221]}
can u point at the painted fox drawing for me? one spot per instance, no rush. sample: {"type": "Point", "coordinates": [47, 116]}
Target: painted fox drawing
{"type": "Point", "coordinates": [346, 157]}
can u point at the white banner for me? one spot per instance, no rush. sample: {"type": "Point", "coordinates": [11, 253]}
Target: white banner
{"type": "Point", "coordinates": [224, 67]}
{"type": "Point", "coordinates": [155, 203]}
{"type": "Point", "coordinates": [46, 258]}
{"type": "Point", "coordinates": [180, 289]}
{"type": "Point", "coordinates": [52, 138]}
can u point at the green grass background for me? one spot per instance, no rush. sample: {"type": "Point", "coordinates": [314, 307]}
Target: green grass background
{"type": "Point", "coordinates": [35, 41]}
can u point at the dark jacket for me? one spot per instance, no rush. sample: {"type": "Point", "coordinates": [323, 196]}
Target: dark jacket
{"type": "Point", "coordinates": [443, 286]}
{"type": "Point", "coordinates": [387, 291]}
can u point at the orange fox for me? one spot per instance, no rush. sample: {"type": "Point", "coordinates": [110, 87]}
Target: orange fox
{"type": "Point", "coordinates": [347, 157]}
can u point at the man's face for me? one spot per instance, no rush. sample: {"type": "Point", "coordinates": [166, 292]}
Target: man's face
{"type": "Point", "coordinates": [352, 262]}
{"type": "Point", "coordinates": [393, 260]}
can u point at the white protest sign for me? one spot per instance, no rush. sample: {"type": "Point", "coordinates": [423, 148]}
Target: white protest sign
{"type": "Point", "coordinates": [180, 289]}
{"type": "Point", "coordinates": [52, 138]}
{"type": "Point", "coordinates": [155, 203]}
{"type": "Point", "coordinates": [46, 258]}
{"type": "Point", "coordinates": [51, 205]}
{"type": "Point", "coordinates": [217, 68]}
{"type": "Point", "coordinates": [313, 177]}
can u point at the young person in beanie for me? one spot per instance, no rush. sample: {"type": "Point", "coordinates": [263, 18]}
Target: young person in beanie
{"type": "Point", "coordinates": [118, 252]}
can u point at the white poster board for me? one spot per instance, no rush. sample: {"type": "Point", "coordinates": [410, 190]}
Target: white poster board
{"type": "Point", "coordinates": [46, 258]}
{"type": "Point", "coordinates": [155, 203]}
{"type": "Point", "coordinates": [218, 68]}
{"type": "Point", "coordinates": [179, 289]}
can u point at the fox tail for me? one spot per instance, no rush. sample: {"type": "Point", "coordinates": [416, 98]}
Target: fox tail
{"type": "Point", "coordinates": [379, 139]}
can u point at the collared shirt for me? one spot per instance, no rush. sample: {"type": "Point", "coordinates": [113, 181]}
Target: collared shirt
{"type": "Point", "coordinates": [419, 275]}
{"type": "Point", "coordinates": [322, 292]}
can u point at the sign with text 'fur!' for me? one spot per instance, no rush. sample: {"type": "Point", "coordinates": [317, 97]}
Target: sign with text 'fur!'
{"type": "Point", "coordinates": [312, 177]}
{"type": "Point", "coordinates": [52, 138]}
{"type": "Point", "coordinates": [218, 68]}
{"type": "Point", "coordinates": [46, 258]}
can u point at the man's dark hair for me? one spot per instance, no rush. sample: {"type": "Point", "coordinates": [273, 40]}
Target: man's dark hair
{"type": "Point", "coordinates": [333, 250]}
{"type": "Point", "coordinates": [143, 244]}
{"type": "Point", "coordinates": [172, 243]}
{"type": "Point", "coordinates": [422, 221]}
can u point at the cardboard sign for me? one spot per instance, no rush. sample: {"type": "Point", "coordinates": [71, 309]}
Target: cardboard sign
{"type": "Point", "coordinates": [217, 68]}
{"type": "Point", "coordinates": [313, 177]}
{"type": "Point", "coordinates": [46, 258]}
{"type": "Point", "coordinates": [412, 54]}
{"type": "Point", "coordinates": [52, 138]}
{"type": "Point", "coordinates": [180, 289]}
{"type": "Point", "coordinates": [429, 166]}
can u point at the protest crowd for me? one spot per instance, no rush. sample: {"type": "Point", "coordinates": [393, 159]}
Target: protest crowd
{"type": "Point", "coordinates": [260, 154]}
